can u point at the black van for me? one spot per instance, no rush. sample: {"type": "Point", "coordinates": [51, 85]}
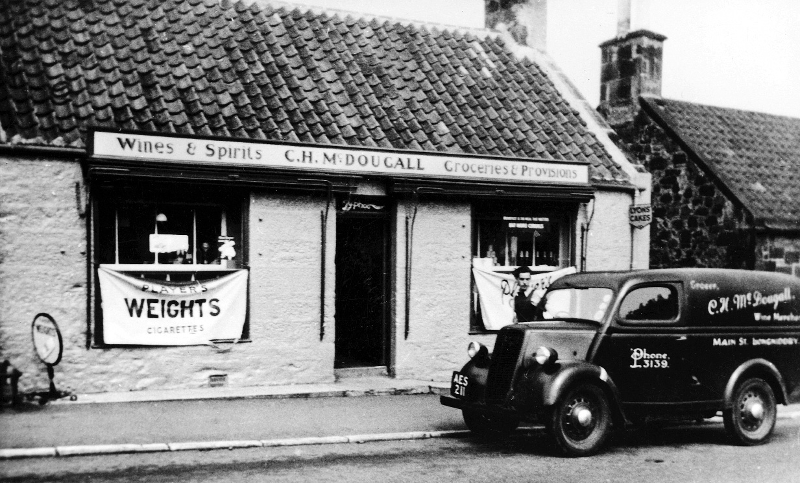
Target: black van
{"type": "Point", "coordinates": [613, 348]}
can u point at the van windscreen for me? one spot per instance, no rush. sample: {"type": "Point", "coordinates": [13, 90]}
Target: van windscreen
{"type": "Point", "coordinates": [590, 303]}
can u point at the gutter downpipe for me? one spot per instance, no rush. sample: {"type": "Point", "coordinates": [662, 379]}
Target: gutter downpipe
{"type": "Point", "coordinates": [584, 240]}
{"type": "Point", "coordinates": [324, 242]}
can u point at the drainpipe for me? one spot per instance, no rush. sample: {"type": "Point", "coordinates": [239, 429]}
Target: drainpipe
{"type": "Point", "coordinates": [584, 241]}
{"type": "Point", "coordinates": [409, 244]}
{"type": "Point", "coordinates": [324, 221]}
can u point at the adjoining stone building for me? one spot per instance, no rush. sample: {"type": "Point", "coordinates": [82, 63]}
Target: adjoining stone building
{"type": "Point", "coordinates": [205, 192]}
{"type": "Point", "coordinates": [726, 189]}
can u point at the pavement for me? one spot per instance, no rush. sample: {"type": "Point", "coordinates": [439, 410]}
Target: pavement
{"type": "Point", "coordinates": [353, 410]}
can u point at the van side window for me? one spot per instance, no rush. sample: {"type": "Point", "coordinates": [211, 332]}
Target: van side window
{"type": "Point", "coordinates": [650, 303]}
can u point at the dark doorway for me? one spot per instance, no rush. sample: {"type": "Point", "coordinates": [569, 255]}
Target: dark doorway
{"type": "Point", "coordinates": [361, 283]}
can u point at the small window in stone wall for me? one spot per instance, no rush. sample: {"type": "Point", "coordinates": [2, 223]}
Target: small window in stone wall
{"type": "Point", "coordinates": [791, 257]}
{"type": "Point", "coordinates": [776, 252]}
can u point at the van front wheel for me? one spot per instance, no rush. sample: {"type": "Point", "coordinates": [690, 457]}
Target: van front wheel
{"type": "Point", "coordinates": [751, 417]}
{"type": "Point", "coordinates": [580, 422]}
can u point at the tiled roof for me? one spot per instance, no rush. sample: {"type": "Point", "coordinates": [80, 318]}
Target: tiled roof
{"type": "Point", "coordinates": [214, 67]}
{"type": "Point", "coordinates": [756, 155]}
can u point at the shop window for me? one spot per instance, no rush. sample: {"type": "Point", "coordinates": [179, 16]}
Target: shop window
{"type": "Point", "coordinates": [167, 234]}
{"type": "Point", "coordinates": [508, 237]}
{"type": "Point", "coordinates": [169, 231]}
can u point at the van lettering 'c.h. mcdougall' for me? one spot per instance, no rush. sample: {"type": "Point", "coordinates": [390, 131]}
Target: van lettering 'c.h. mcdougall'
{"type": "Point", "coordinates": [610, 349]}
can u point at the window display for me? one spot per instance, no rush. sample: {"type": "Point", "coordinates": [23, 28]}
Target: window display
{"type": "Point", "coordinates": [536, 239]}
{"type": "Point", "coordinates": [183, 243]}
{"type": "Point", "coordinates": [159, 230]}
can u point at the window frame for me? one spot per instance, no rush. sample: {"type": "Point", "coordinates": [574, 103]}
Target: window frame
{"type": "Point", "coordinates": [565, 213]}
{"type": "Point", "coordinates": [167, 193]}
{"type": "Point", "coordinates": [677, 288]}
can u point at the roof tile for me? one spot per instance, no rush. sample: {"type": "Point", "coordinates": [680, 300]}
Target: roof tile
{"type": "Point", "coordinates": [756, 154]}
{"type": "Point", "coordinates": [205, 67]}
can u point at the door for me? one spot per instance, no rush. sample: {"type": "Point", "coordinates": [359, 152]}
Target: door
{"type": "Point", "coordinates": [361, 286]}
{"type": "Point", "coordinates": [643, 350]}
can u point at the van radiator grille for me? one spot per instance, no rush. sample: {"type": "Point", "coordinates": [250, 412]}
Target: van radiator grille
{"type": "Point", "coordinates": [504, 363]}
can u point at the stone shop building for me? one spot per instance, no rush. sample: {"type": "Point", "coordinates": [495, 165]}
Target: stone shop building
{"type": "Point", "coordinates": [203, 192]}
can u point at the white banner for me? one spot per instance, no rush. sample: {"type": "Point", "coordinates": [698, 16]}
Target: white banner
{"type": "Point", "coordinates": [496, 292]}
{"type": "Point", "coordinates": [197, 151]}
{"type": "Point", "coordinates": [148, 312]}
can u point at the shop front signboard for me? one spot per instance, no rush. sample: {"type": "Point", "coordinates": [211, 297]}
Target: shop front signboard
{"type": "Point", "coordinates": [196, 151]}
{"type": "Point", "coordinates": [139, 311]}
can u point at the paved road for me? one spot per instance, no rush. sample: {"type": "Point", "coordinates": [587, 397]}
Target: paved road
{"type": "Point", "coordinates": [679, 454]}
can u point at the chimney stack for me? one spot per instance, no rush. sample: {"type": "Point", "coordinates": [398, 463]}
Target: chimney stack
{"type": "Point", "coordinates": [630, 65]}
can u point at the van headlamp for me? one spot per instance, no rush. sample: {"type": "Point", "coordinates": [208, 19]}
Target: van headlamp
{"type": "Point", "coordinates": [475, 349]}
{"type": "Point", "coordinates": [545, 356]}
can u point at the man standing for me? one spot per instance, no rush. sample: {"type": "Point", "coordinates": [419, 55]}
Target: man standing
{"type": "Point", "coordinates": [524, 299]}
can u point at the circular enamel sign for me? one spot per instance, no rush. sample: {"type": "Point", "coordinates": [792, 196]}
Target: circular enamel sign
{"type": "Point", "coordinates": [47, 339]}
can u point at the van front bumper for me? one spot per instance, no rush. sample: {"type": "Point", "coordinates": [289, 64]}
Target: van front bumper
{"type": "Point", "coordinates": [482, 408]}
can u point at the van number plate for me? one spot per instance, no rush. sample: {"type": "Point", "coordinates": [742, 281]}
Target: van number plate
{"type": "Point", "coordinates": [458, 385]}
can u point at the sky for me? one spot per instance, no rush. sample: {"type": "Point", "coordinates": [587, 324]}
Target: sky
{"type": "Point", "coordinates": [743, 54]}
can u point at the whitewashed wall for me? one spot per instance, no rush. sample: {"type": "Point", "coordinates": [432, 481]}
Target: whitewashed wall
{"type": "Point", "coordinates": [440, 290]}
{"type": "Point", "coordinates": [608, 244]}
{"type": "Point", "coordinates": [42, 262]}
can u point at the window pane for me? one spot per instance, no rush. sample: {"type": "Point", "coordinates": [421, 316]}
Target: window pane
{"type": "Point", "coordinates": [576, 303]}
{"type": "Point", "coordinates": [184, 229]}
{"type": "Point", "coordinates": [512, 240]}
{"type": "Point", "coordinates": [650, 303]}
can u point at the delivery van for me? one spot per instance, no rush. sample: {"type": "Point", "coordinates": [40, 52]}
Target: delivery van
{"type": "Point", "coordinates": [610, 349]}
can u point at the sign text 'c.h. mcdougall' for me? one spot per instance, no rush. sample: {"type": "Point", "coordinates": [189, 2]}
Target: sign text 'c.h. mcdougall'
{"type": "Point", "coordinates": [192, 150]}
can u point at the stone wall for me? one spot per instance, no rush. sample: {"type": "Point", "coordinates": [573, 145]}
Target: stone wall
{"type": "Point", "coordinates": [42, 262]}
{"type": "Point", "coordinates": [778, 254]}
{"type": "Point", "coordinates": [695, 223]}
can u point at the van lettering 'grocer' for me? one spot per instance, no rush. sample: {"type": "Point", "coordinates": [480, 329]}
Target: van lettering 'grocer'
{"type": "Point", "coordinates": [626, 346]}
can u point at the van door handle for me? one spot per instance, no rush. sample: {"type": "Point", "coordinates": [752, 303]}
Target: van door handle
{"type": "Point", "coordinates": [683, 337]}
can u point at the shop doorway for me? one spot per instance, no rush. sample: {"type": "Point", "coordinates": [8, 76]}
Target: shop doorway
{"type": "Point", "coordinates": [362, 243]}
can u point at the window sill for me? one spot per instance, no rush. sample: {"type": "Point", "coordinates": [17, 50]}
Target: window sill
{"type": "Point", "coordinates": [166, 267]}
{"type": "Point", "coordinates": [483, 332]}
{"type": "Point", "coordinates": [141, 346]}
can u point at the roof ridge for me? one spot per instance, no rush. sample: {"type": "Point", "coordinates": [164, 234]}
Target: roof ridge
{"type": "Point", "coordinates": [655, 99]}
{"type": "Point", "coordinates": [342, 13]}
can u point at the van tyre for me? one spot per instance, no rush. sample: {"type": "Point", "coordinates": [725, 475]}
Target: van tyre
{"type": "Point", "coordinates": [751, 417]}
{"type": "Point", "coordinates": [580, 421]}
{"type": "Point", "coordinates": [489, 426]}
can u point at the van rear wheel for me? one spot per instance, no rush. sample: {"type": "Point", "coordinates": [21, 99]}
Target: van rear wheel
{"type": "Point", "coordinates": [489, 426]}
{"type": "Point", "coordinates": [580, 422]}
{"type": "Point", "coordinates": [751, 417]}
